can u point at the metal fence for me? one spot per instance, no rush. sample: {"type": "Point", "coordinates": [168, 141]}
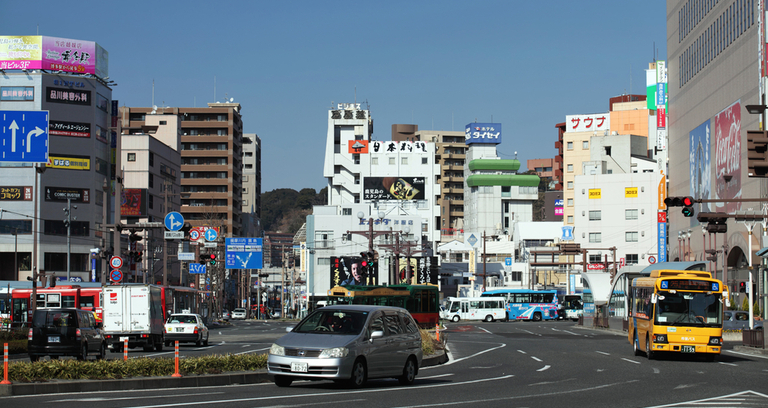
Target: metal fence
{"type": "Point", "coordinates": [752, 338]}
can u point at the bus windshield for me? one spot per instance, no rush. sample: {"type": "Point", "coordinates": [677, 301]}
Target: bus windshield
{"type": "Point", "coordinates": [688, 309]}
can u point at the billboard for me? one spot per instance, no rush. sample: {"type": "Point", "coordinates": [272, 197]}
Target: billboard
{"type": "Point", "coordinates": [134, 202]}
{"type": "Point", "coordinates": [76, 195]}
{"type": "Point", "coordinates": [487, 133]}
{"type": "Point", "coordinates": [700, 169]}
{"type": "Point", "coordinates": [346, 270]}
{"type": "Point", "coordinates": [394, 188]}
{"type": "Point", "coordinates": [423, 270]}
{"type": "Point", "coordinates": [588, 123]}
{"type": "Point", "coordinates": [52, 53]}
{"type": "Point", "coordinates": [728, 158]}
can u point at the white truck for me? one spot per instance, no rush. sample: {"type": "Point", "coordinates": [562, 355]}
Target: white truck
{"type": "Point", "coordinates": [134, 312]}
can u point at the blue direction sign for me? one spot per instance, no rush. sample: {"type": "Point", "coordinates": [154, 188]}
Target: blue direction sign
{"type": "Point", "coordinates": [243, 253]}
{"type": "Point", "coordinates": [24, 136]}
{"type": "Point", "coordinates": [210, 234]}
{"type": "Point", "coordinates": [196, 268]}
{"type": "Point", "coordinates": [174, 221]}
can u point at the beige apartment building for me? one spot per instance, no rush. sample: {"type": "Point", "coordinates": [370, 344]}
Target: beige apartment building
{"type": "Point", "coordinates": [211, 161]}
{"type": "Point", "coordinates": [450, 153]}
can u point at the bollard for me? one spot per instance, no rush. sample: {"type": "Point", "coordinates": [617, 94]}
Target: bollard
{"type": "Point", "coordinates": [125, 349]}
{"type": "Point", "coordinates": [437, 331]}
{"type": "Point", "coordinates": [176, 357]}
{"type": "Point", "coordinates": [5, 365]}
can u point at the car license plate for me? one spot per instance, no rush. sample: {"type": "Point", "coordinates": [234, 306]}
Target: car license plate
{"type": "Point", "coordinates": [689, 349]}
{"type": "Point", "coordinates": [53, 339]}
{"type": "Point", "coordinates": [179, 329]}
{"type": "Point", "coordinates": [299, 367]}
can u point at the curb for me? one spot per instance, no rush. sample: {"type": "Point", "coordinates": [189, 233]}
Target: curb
{"type": "Point", "coordinates": [63, 386]}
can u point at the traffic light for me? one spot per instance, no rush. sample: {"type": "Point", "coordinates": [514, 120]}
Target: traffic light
{"type": "Point", "coordinates": [203, 259]}
{"type": "Point", "coordinates": [686, 202]}
{"type": "Point", "coordinates": [742, 287]}
{"type": "Point", "coordinates": [757, 153]}
{"type": "Point", "coordinates": [712, 255]}
{"type": "Point", "coordinates": [134, 237]}
{"type": "Point", "coordinates": [137, 256]}
{"type": "Point", "coordinates": [212, 259]}
{"type": "Point", "coordinates": [717, 222]}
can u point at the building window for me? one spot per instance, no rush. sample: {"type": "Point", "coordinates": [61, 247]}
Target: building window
{"type": "Point", "coordinates": [374, 160]}
{"type": "Point", "coordinates": [570, 202]}
{"type": "Point", "coordinates": [595, 215]}
{"type": "Point", "coordinates": [631, 259]}
{"type": "Point", "coordinates": [570, 185]}
{"type": "Point", "coordinates": [151, 201]}
{"type": "Point", "coordinates": [356, 158]}
{"type": "Point", "coordinates": [570, 219]}
{"type": "Point", "coordinates": [570, 168]}
{"type": "Point", "coordinates": [585, 145]}
{"type": "Point", "coordinates": [570, 145]}
{"type": "Point", "coordinates": [630, 214]}
{"type": "Point", "coordinates": [392, 161]}
{"type": "Point", "coordinates": [323, 239]}
{"type": "Point", "coordinates": [594, 259]}
{"type": "Point", "coordinates": [151, 159]}
{"type": "Point", "coordinates": [131, 157]}
{"type": "Point", "coordinates": [151, 180]}
{"type": "Point", "coordinates": [346, 211]}
{"type": "Point", "coordinates": [357, 179]}
{"type": "Point", "coordinates": [423, 160]}
{"type": "Point", "coordinates": [630, 236]}
{"type": "Point", "coordinates": [506, 191]}
{"type": "Point", "coordinates": [595, 237]}
{"type": "Point", "coordinates": [404, 160]}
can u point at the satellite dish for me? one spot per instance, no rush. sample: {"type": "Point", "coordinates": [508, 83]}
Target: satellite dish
{"type": "Point", "coordinates": [154, 108]}
{"type": "Point", "coordinates": [231, 99]}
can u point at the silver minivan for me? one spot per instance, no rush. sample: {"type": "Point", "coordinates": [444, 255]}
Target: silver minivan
{"type": "Point", "coordinates": [349, 343]}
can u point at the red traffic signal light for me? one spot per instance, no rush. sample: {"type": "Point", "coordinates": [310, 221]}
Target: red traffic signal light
{"type": "Point", "coordinates": [687, 201]}
{"type": "Point", "coordinates": [213, 259]}
{"type": "Point", "coordinates": [742, 287]}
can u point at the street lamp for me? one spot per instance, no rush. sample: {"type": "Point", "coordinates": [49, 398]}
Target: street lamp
{"type": "Point", "coordinates": [749, 221]}
{"type": "Point", "coordinates": [679, 240]}
{"type": "Point", "coordinates": [688, 254]}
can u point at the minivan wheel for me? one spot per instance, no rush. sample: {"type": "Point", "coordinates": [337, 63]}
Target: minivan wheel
{"type": "Point", "coordinates": [409, 372]}
{"type": "Point", "coordinates": [358, 374]}
{"type": "Point", "coordinates": [489, 318]}
{"type": "Point", "coordinates": [283, 381]}
{"type": "Point", "coordinates": [102, 352]}
{"type": "Point", "coordinates": [455, 318]}
{"type": "Point", "coordinates": [83, 353]}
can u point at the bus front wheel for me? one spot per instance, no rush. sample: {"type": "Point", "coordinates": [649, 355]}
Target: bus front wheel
{"type": "Point", "coordinates": [455, 318]}
{"type": "Point", "coordinates": [648, 350]}
{"type": "Point", "coordinates": [489, 318]}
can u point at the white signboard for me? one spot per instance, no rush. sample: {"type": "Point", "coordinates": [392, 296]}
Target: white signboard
{"type": "Point", "coordinates": [174, 234]}
{"type": "Point", "coordinates": [186, 256]}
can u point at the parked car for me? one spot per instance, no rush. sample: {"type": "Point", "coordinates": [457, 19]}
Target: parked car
{"type": "Point", "coordinates": [186, 328]}
{"type": "Point", "coordinates": [65, 332]}
{"type": "Point", "coordinates": [239, 313]}
{"type": "Point", "coordinates": [225, 315]}
{"type": "Point", "coordinates": [738, 320]}
{"type": "Point", "coordinates": [350, 343]}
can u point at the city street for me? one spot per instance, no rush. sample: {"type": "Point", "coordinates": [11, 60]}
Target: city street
{"type": "Point", "coordinates": [514, 364]}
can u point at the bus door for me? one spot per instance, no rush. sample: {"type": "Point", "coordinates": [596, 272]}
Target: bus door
{"type": "Point", "coordinates": [464, 313]}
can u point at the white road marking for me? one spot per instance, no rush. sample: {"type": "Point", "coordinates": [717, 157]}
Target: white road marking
{"type": "Point", "coordinates": [750, 397]}
{"type": "Point", "coordinates": [603, 353]}
{"type": "Point", "coordinates": [537, 359]}
{"type": "Point", "coordinates": [747, 354]}
{"type": "Point", "coordinates": [730, 364]}
{"type": "Point", "coordinates": [252, 351]}
{"type": "Point", "coordinates": [485, 330]}
{"type": "Point", "coordinates": [546, 367]}
{"type": "Point", "coordinates": [451, 361]}
{"type": "Point", "coordinates": [657, 371]}
{"type": "Point", "coordinates": [631, 361]}
{"type": "Point", "coordinates": [521, 351]}
{"type": "Point", "coordinates": [438, 376]}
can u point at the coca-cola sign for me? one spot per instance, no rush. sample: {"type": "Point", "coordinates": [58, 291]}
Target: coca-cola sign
{"type": "Point", "coordinates": [728, 157]}
{"type": "Point", "coordinates": [595, 267]}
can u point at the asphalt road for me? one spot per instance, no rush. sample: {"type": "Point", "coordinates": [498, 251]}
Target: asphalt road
{"type": "Point", "coordinates": [514, 364]}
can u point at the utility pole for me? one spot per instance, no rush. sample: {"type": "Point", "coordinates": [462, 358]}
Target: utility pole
{"type": "Point", "coordinates": [68, 224]}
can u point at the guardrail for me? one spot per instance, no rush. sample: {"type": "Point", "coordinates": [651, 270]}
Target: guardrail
{"type": "Point", "coordinates": [752, 338]}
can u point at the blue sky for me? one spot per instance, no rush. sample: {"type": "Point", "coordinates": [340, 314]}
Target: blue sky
{"type": "Point", "coordinates": [437, 64]}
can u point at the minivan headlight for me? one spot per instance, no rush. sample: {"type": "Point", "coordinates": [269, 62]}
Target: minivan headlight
{"type": "Point", "coordinates": [276, 350]}
{"type": "Point", "coordinates": [336, 352]}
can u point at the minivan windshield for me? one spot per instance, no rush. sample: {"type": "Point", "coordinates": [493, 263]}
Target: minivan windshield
{"type": "Point", "coordinates": [330, 321]}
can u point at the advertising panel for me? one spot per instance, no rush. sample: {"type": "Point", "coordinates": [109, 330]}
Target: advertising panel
{"type": "Point", "coordinates": [630, 192]}
{"type": "Point", "coordinates": [595, 194]}
{"type": "Point", "coordinates": [390, 147]}
{"type": "Point", "coordinates": [422, 270]}
{"type": "Point", "coordinates": [77, 195]}
{"type": "Point", "coordinates": [588, 123]}
{"type": "Point", "coordinates": [700, 164]}
{"type": "Point", "coordinates": [487, 133]}
{"type": "Point", "coordinates": [73, 129]}
{"type": "Point", "coordinates": [69, 163]}
{"type": "Point", "coordinates": [17, 93]}
{"type": "Point", "coordinates": [393, 188]}
{"type": "Point", "coordinates": [134, 202]}
{"type": "Point", "coordinates": [15, 193]}
{"type": "Point", "coordinates": [347, 270]}
{"type": "Point", "coordinates": [55, 54]}
{"type": "Point", "coordinates": [358, 147]}
{"type": "Point", "coordinates": [69, 96]}
{"type": "Point", "coordinates": [728, 157]}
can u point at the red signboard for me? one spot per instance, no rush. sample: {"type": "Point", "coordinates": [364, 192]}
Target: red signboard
{"type": "Point", "coordinates": [727, 135]}
{"type": "Point", "coordinates": [595, 267]}
{"type": "Point", "coordinates": [662, 216]}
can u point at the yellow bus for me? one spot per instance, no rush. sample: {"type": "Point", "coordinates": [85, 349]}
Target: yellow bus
{"type": "Point", "coordinates": [678, 312]}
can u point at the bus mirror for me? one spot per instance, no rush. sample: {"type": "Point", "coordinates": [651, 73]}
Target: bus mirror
{"type": "Point", "coordinates": [661, 297]}
{"type": "Point", "coordinates": [653, 298]}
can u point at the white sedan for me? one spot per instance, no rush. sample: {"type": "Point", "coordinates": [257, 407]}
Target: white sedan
{"type": "Point", "coordinates": [186, 327]}
{"type": "Point", "coordinates": [238, 313]}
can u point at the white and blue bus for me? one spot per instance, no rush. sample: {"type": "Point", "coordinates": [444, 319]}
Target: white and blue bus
{"type": "Point", "coordinates": [526, 304]}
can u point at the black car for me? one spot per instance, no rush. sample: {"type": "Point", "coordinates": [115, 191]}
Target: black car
{"type": "Point", "coordinates": [65, 332]}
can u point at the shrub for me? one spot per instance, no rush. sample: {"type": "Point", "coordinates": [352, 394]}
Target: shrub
{"type": "Point", "coordinates": [140, 367]}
